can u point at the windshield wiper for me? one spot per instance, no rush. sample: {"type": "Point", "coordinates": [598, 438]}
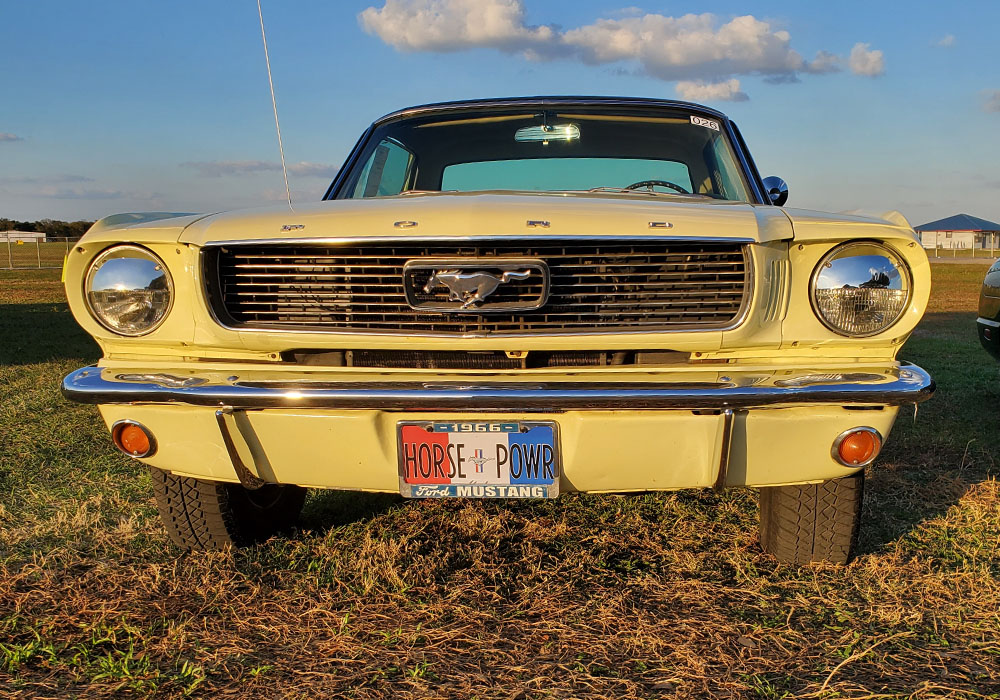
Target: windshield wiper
{"type": "Point", "coordinates": [623, 190]}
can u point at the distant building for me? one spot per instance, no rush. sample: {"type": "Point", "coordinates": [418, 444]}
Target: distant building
{"type": "Point", "coordinates": [22, 237]}
{"type": "Point", "coordinates": [960, 231]}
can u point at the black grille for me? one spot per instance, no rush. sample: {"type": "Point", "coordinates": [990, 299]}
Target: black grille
{"type": "Point", "coordinates": [594, 286]}
{"type": "Point", "coordinates": [447, 359]}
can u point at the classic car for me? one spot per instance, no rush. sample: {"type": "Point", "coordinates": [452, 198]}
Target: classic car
{"type": "Point", "coordinates": [508, 298]}
{"type": "Point", "coordinates": [988, 323]}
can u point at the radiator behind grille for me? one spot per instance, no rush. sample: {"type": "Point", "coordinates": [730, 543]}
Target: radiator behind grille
{"type": "Point", "coordinates": [595, 286]}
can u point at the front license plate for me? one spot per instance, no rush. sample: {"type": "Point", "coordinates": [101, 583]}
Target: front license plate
{"type": "Point", "coordinates": [485, 459]}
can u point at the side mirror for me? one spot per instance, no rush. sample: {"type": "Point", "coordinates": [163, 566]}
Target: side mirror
{"type": "Point", "coordinates": [777, 190]}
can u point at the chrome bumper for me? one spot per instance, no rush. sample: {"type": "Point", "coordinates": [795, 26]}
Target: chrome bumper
{"type": "Point", "coordinates": [895, 386]}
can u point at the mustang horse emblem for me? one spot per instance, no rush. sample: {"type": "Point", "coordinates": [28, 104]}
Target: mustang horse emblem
{"type": "Point", "coordinates": [471, 288]}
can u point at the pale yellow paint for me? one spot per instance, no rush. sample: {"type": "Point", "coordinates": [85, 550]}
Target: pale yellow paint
{"type": "Point", "coordinates": [602, 450]}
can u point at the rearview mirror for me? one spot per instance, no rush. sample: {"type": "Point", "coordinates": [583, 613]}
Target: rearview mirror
{"type": "Point", "coordinates": [547, 132]}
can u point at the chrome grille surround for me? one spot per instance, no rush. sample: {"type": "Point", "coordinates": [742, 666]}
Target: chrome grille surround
{"type": "Point", "coordinates": [614, 284]}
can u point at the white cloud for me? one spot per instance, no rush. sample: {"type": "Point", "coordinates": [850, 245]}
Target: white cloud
{"type": "Point", "coordinates": [727, 90]}
{"type": "Point", "coordinates": [866, 61]}
{"type": "Point", "coordinates": [688, 47]}
{"type": "Point", "coordinates": [945, 42]}
{"type": "Point", "coordinates": [630, 11]}
{"type": "Point", "coordinates": [79, 193]}
{"type": "Point", "coordinates": [825, 62]}
{"type": "Point", "coordinates": [991, 100]}
{"type": "Point", "coordinates": [453, 25]}
{"type": "Point", "coordinates": [220, 168]}
{"type": "Point", "coordinates": [275, 195]}
{"type": "Point", "coordinates": [305, 169]}
{"type": "Point", "coordinates": [5, 136]}
{"type": "Point", "coordinates": [698, 49]}
{"type": "Point", "coordinates": [44, 180]}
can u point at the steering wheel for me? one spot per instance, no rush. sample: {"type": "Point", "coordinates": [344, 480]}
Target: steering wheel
{"type": "Point", "coordinates": [650, 184]}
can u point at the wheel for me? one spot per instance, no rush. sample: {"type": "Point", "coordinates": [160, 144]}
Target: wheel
{"type": "Point", "coordinates": [201, 514]}
{"type": "Point", "coordinates": [816, 522]}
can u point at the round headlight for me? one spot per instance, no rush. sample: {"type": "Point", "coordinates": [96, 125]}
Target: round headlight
{"type": "Point", "coordinates": [860, 289]}
{"type": "Point", "coordinates": [129, 290]}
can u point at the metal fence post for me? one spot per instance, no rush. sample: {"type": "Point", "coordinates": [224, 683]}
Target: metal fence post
{"type": "Point", "coordinates": [10, 257]}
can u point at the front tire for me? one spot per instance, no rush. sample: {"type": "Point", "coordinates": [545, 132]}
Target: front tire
{"type": "Point", "coordinates": [815, 522]}
{"type": "Point", "coordinates": [200, 514]}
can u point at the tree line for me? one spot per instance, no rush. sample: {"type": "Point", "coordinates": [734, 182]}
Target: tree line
{"type": "Point", "coordinates": [50, 227]}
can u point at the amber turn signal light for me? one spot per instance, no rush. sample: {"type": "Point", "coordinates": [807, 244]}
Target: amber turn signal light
{"type": "Point", "coordinates": [134, 439]}
{"type": "Point", "coordinates": [857, 447]}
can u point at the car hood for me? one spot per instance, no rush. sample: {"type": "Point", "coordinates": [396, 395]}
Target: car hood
{"type": "Point", "coordinates": [457, 215]}
{"type": "Point", "coordinates": [819, 225]}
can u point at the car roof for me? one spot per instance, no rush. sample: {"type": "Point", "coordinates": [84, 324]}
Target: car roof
{"type": "Point", "coordinates": [544, 101]}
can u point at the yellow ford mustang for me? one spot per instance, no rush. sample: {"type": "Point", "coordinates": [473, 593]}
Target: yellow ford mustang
{"type": "Point", "coordinates": [508, 299]}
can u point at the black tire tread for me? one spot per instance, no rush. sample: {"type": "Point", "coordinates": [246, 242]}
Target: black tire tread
{"type": "Point", "coordinates": [209, 515]}
{"type": "Point", "coordinates": [814, 522]}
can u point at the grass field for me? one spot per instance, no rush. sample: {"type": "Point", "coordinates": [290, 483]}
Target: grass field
{"type": "Point", "coordinates": [587, 596]}
{"type": "Point", "coordinates": [30, 254]}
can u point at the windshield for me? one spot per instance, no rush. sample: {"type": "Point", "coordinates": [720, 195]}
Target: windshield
{"type": "Point", "coordinates": [666, 151]}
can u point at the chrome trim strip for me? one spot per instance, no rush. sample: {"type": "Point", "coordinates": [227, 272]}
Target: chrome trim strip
{"type": "Point", "coordinates": [348, 166]}
{"type": "Point", "coordinates": [749, 168]}
{"type": "Point", "coordinates": [247, 478]}
{"type": "Point", "coordinates": [485, 238]}
{"type": "Point", "coordinates": [908, 384]}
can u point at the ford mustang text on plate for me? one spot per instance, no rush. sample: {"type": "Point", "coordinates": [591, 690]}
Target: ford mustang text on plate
{"type": "Point", "coordinates": [510, 298]}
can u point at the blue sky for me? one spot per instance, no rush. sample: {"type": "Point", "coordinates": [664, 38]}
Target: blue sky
{"type": "Point", "coordinates": [128, 106]}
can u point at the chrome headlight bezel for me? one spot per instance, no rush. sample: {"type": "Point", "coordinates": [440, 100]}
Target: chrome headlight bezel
{"type": "Point", "coordinates": [128, 251]}
{"type": "Point", "coordinates": [893, 257]}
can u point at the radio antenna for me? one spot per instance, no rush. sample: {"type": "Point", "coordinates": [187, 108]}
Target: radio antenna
{"type": "Point", "coordinates": [274, 105]}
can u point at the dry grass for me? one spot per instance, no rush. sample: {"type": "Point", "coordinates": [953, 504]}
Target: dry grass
{"type": "Point", "coordinates": [589, 596]}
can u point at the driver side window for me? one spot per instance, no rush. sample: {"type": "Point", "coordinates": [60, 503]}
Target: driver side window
{"type": "Point", "coordinates": [387, 171]}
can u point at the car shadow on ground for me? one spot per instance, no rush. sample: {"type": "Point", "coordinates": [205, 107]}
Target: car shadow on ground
{"type": "Point", "coordinates": [898, 503]}
{"type": "Point", "coordinates": [921, 479]}
{"type": "Point", "coordinates": [937, 458]}
{"type": "Point", "coordinates": [327, 509]}
{"type": "Point", "coordinates": [34, 333]}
